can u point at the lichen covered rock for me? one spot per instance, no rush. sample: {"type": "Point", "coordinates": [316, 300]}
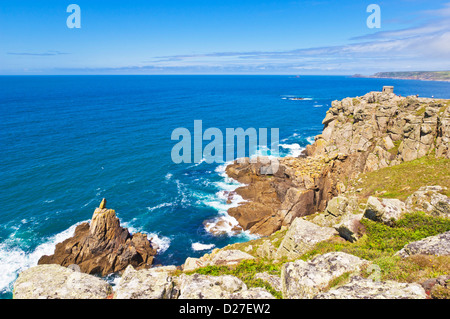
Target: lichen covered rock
{"type": "Point", "coordinates": [438, 245]}
{"type": "Point", "coordinates": [57, 282]}
{"type": "Point", "coordinates": [304, 280]}
{"type": "Point", "coordinates": [361, 288]}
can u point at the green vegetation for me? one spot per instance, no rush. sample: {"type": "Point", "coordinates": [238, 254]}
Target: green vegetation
{"type": "Point", "coordinates": [246, 271]}
{"type": "Point", "coordinates": [378, 244]}
{"type": "Point", "coordinates": [381, 240]}
{"type": "Point", "coordinates": [421, 111]}
{"type": "Point", "coordinates": [402, 180]}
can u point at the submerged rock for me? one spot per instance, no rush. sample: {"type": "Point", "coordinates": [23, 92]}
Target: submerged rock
{"type": "Point", "coordinates": [103, 247]}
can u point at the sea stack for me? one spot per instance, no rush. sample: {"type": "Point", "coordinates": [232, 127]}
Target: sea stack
{"type": "Point", "coordinates": [103, 246]}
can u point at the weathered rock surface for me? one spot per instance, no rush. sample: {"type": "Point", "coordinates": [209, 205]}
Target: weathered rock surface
{"type": "Point", "coordinates": [429, 199]}
{"type": "Point", "coordinates": [216, 287]}
{"type": "Point", "coordinates": [301, 237]}
{"type": "Point", "coordinates": [208, 287]}
{"type": "Point", "coordinates": [361, 134]}
{"type": "Point", "coordinates": [252, 293]}
{"type": "Point", "coordinates": [103, 247]}
{"type": "Point", "coordinates": [272, 280]}
{"type": "Point", "coordinates": [154, 283]}
{"type": "Point", "coordinates": [216, 258]}
{"type": "Point", "coordinates": [361, 288]}
{"type": "Point", "coordinates": [57, 282]}
{"type": "Point", "coordinates": [438, 245]}
{"type": "Point", "coordinates": [304, 280]}
{"type": "Point", "coordinates": [351, 229]}
{"type": "Point", "coordinates": [229, 257]}
{"type": "Point", "coordinates": [438, 288]}
{"type": "Point", "coordinates": [385, 210]}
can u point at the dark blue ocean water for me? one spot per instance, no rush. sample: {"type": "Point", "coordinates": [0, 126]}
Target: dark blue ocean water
{"type": "Point", "coordinates": [68, 141]}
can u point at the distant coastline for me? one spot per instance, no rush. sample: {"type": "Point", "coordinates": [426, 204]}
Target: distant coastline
{"type": "Point", "coordinates": [411, 75]}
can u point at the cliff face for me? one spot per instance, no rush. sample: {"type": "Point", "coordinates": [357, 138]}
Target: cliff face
{"type": "Point", "coordinates": [360, 134]}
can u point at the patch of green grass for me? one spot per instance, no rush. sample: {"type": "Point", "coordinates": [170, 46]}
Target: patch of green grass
{"type": "Point", "coordinates": [402, 180]}
{"type": "Point", "coordinates": [246, 271]}
{"type": "Point", "coordinates": [412, 269]}
{"type": "Point", "coordinates": [421, 111]}
{"type": "Point", "coordinates": [394, 150]}
{"type": "Point", "coordinates": [381, 241]}
{"type": "Point", "coordinates": [275, 239]}
{"type": "Point", "coordinates": [339, 281]}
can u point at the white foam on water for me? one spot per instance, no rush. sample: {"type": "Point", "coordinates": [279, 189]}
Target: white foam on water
{"type": "Point", "coordinates": [200, 246]}
{"type": "Point", "coordinates": [150, 209]}
{"type": "Point", "coordinates": [13, 259]}
{"type": "Point", "coordinates": [310, 139]}
{"type": "Point", "coordinates": [294, 149]}
{"type": "Point", "coordinates": [168, 176]}
{"type": "Point", "coordinates": [162, 242]}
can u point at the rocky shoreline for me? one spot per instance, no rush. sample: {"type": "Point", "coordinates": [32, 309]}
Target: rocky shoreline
{"type": "Point", "coordinates": [322, 235]}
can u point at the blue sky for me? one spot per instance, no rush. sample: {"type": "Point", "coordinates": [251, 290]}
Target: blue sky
{"type": "Point", "coordinates": [223, 37]}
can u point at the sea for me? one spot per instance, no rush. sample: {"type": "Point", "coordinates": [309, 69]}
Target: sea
{"type": "Point", "coordinates": [66, 142]}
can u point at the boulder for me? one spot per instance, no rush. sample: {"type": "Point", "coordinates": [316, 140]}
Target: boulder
{"type": "Point", "coordinates": [217, 257]}
{"type": "Point", "coordinates": [361, 288]}
{"type": "Point", "coordinates": [385, 210]}
{"type": "Point", "coordinates": [438, 288]}
{"type": "Point", "coordinates": [57, 282]}
{"type": "Point", "coordinates": [103, 246]}
{"type": "Point", "coordinates": [272, 280]}
{"type": "Point", "coordinates": [154, 283]}
{"type": "Point", "coordinates": [229, 257]}
{"type": "Point", "coordinates": [301, 237]}
{"type": "Point", "coordinates": [304, 280]}
{"type": "Point", "coordinates": [266, 250]}
{"type": "Point", "coordinates": [429, 199]}
{"type": "Point", "coordinates": [193, 263]}
{"type": "Point", "coordinates": [438, 245]}
{"type": "Point", "coordinates": [351, 229]}
{"type": "Point", "coordinates": [208, 287]}
{"type": "Point", "coordinates": [252, 293]}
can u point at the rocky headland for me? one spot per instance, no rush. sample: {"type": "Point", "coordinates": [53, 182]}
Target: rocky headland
{"type": "Point", "coordinates": [360, 135]}
{"type": "Point", "coordinates": [363, 213]}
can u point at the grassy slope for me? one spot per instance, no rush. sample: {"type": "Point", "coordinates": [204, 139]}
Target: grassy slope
{"type": "Point", "coordinates": [402, 180]}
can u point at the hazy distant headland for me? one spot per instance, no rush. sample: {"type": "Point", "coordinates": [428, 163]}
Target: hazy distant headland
{"type": "Point", "coordinates": [411, 75]}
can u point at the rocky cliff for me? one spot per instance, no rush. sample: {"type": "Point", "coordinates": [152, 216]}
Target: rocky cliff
{"type": "Point", "coordinates": [329, 234]}
{"type": "Point", "coordinates": [360, 134]}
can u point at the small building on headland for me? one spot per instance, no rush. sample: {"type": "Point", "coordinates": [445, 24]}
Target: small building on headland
{"type": "Point", "coordinates": [388, 89]}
